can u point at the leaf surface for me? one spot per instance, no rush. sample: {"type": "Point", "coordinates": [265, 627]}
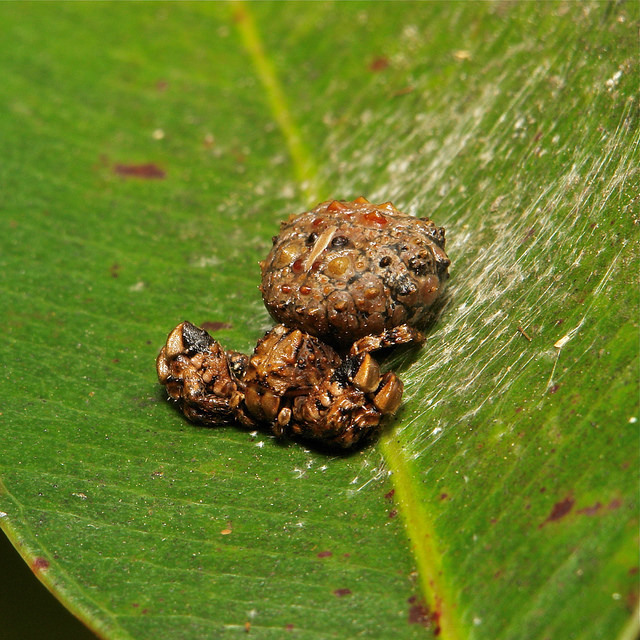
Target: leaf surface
{"type": "Point", "coordinates": [149, 153]}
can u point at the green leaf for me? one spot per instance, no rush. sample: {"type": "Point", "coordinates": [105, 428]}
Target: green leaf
{"type": "Point", "coordinates": [149, 151]}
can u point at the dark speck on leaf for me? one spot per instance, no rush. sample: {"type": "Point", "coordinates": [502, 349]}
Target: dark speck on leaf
{"type": "Point", "coordinates": [342, 592]}
{"type": "Point", "coordinates": [560, 510]}
{"type": "Point", "coordinates": [142, 171]}
{"type": "Point", "coordinates": [393, 513]}
{"type": "Point", "coordinates": [420, 614]}
{"type": "Point", "coordinates": [403, 92]}
{"type": "Point", "coordinates": [591, 510]}
{"type": "Point", "coordinates": [324, 554]}
{"type": "Point", "coordinates": [389, 496]}
{"type": "Point", "coordinates": [40, 564]}
{"type": "Point", "coordinates": [379, 63]}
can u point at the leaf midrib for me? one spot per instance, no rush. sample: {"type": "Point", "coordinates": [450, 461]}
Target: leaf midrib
{"type": "Point", "coordinates": [414, 508]}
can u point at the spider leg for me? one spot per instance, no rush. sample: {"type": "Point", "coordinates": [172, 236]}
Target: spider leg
{"type": "Point", "coordinates": [388, 397]}
{"type": "Point", "coordinates": [199, 375]}
{"type": "Point", "coordinates": [402, 334]}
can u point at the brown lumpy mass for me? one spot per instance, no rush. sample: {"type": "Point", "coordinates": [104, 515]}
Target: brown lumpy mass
{"type": "Point", "coordinates": [347, 269]}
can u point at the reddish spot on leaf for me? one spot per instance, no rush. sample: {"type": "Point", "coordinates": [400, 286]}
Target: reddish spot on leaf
{"type": "Point", "coordinates": [389, 496]}
{"type": "Point", "coordinates": [393, 513]}
{"type": "Point", "coordinates": [560, 510]}
{"type": "Point", "coordinates": [419, 613]}
{"type": "Point", "coordinates": [215, 326]}
{"type": "Point", "coordinates": [379, 63]}
{"type": "Point", "coordinates": [290, 627]}
{"type": "Point", "coordinates": [444, 496]}
{"type": "Point", "coordinates": [324, 554]}
{"type": "Point", "coordinates": [403, 92]}
{"type": "Point", "coordinates": [591, 510]}
{"type": "Point", "coordinates": [143, 171]}
{"type": "Point", "coordinates": [553, 389]}
{"type": "Point", "coordinates": [40, 564]}
{"type": "Point", "coordinates": [340, 593]}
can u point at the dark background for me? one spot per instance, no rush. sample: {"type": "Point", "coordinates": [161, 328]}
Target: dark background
{"type": "Point", "coordinates": [27, 610]}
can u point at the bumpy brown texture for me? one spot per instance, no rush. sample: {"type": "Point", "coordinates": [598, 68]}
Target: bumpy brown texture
{"type": "Point", "coordinates": [354, 275]}
{"type": "Point", "coordinates": [345, 270]}
{"type": "Point", "coordinates": [293, 383]}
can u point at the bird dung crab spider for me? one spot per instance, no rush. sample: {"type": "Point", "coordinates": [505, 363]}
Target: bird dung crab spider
{"type": "Point", "coordinates": [343, 280]}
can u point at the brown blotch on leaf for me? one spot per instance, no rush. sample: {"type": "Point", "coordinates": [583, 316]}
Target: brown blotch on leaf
{"type": "Point", "coordinates": [340, 593]}
{"type": "Point", "coordinates": [419, 613]}
{"type": "Point", "coordinates": [148, 171]}
{"type": "Point", "coordinates": [324, 554]}
{"type": "Point", "coordinates": [389, 496]}
{"type": "Point", "coordinates": [393, 513]}
{"type": "Point", "coordinates": [379, 63]}
{"type": "Point", "coordinates": [40, 564]}
{"type": "Point", "coordinates": [591, 510]}
{"type": "Point", "coordinates": [559, 511]}
{"type": "Point", "coordinates": [403, 92]}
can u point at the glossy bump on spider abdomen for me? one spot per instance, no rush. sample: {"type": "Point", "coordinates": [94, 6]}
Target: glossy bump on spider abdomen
{"type": "Point", "coordinates": [349, 269]}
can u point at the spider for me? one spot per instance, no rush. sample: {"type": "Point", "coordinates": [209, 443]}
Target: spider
{"type": "Point", "coordinates": [344, 280]}
{"type": "Point", "coordinates": [347, 269]}
{"type": "Point", "coordinates": [293, 383]}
